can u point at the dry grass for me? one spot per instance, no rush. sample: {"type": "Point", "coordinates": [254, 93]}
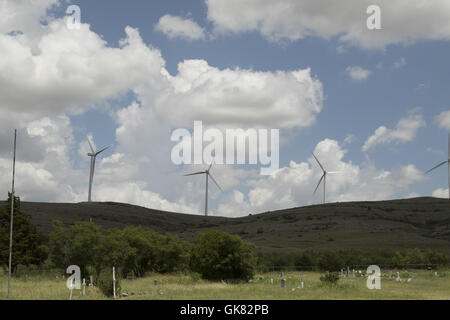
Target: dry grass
{"type": "Point", "coordinates": [175, 286]}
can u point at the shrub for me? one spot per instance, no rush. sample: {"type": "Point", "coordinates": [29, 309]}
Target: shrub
{"type": "Point", "coordinates": [105, 283]}
{"type": "Point", "coordinates": [330, 278]}
{"type": "Point", "coordinates": [218, 255]}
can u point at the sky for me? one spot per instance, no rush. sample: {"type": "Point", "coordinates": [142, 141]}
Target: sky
{"type": "Point", "coordinates": [371, 104]}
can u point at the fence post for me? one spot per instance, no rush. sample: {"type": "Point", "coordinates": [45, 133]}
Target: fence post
{"type": "Point", "coordinates": [114, 282]}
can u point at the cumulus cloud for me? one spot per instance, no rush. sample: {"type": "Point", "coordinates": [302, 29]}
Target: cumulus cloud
{"type": "Point", "coordinates": [292, 20]}
{"type": "Point", "coordinates": [178, 27]}
{"type": "Point", "coordinates": [357, 73]}
{"type": "Point", "coordinates": [405, 131]}
{"type": "Point", "coordinates": [443, 120]}
{"type": "Point", "coordinates": [293, 185]}
{"type": "Point", "coordinates": [238, 97]}
{"type": "Point", "coordinates": [440, 193]}
{"type": "Point", "coordinates": [73, 70]}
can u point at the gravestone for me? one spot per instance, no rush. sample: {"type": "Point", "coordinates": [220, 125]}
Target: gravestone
{"type": "Point", "coordinates": [283, 283]}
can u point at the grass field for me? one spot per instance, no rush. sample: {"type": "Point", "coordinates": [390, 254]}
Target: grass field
{"type": "Point", "coordinates": [424, 285]}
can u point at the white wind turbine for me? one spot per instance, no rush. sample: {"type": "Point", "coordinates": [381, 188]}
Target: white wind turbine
{"type": "Point", "coordinates": [323, 177]}
{"type": "Point", "coordinates": [208, 175]}
{"type": "Point", "coordinates": [444, 162]}
{"type": "Point", "coordinates": [93, 155]}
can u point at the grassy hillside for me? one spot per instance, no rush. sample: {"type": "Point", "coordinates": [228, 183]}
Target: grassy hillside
{"type": "Point", "coordinates": [395, 224]}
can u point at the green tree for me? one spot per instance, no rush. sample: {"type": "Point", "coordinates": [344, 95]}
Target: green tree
{"type": "Point", "coordinates": [330, 261]}
{"type": "Point", "coordinates": [218, 255]}
{"type": "Point", "coordinates": [146, 249]}
{"type": "Point", "coordinates": [28, 244]}
{"type": "Point", "coordinates": [80, 244]}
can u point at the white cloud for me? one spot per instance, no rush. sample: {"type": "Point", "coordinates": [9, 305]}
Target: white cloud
{"type": "Point", "coordinates": [293, 186]}
{"type": "Point", "coordinates": [357, 73]}
{"type": "Point", "coordinates": [443, 120]}
{"type": "Point", "coordinates": [402, 21]}
{"type": "Point", "coordinates": [400, 63]}
{"type": "Point", "coordinates": [177, 27]}
{"type": "Point", "coordinates": [73, 69]}
{"type": "Point", "coordinates": [238, 97]}
{"type": "Point", "coordinates": [440, 193]}
{"type": "Point", "coordinates": [349, 139]}
{"type": "Point", "coordinates": [24, 16]}
{"type": "Point", "coordinates": [405, 131]}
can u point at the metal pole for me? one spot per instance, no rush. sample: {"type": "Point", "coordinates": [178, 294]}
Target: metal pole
{"type": "Point", "coordinates": [12, 215]}
{"type": "Point", "coordinates": [114, 282]}
{"type": "Point", "coordinates": [324, 183]}
{"type": "Point", "coordinates": [91, 177]}
{"type": "Point", "coordinates": [206, 196]}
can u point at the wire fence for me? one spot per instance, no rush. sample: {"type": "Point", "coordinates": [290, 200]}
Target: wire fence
{"type": "Point", "coordinates": [357, 267]}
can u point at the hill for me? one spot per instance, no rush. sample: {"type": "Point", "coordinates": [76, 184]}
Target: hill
{"type": "Point", "coordinates": [369, 225]}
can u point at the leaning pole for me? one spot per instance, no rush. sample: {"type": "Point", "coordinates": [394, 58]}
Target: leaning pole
{"type": "Point", "coordinates": [12, 215]}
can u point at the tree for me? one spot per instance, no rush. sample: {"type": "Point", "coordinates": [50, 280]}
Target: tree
{"type": "Point", "coordinates": [79, 244]}
{"type": "Point", "coordinates": [146, 249]}
{"type": "Point", "coordinates": [330, 261]}
{"type": "Point", "coordinates": [218, 255]}
{"type": "Point", "coordinates": [28, 245]}
{"type": "Point", "coordinates": [173, 254]}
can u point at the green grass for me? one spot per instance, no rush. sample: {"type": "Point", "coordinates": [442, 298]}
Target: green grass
{"type": "Point", "coordinates": [178, 286]}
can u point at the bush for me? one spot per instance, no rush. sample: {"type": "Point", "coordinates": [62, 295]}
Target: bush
{"type": "Point", "coordinates": [218, 255]}
{"type": "Point", "coordinates": [330, 278]}
{"type": "Point", "coordinates": [105, 283]}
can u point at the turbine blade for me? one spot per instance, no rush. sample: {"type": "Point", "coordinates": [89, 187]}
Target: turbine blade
{"type": "Point", "coordinates": [102, 150]}
{"type": "Point", "coordinates": [90, 145]}
{"type": "Point", "coordinates": [212, 178]}
{"type": "Point", "coordinates": [334, 172]}
{"type": "Point", "coordinates": [210, 165]}
{"type": "Point", "coordinates": [191, 174]}
{"type": "Point", "coordinates": [440, 164]}
{"type": "Point", "coordinates": [321, 178]}
{"type": "Point", "coordinates": [318, 162]}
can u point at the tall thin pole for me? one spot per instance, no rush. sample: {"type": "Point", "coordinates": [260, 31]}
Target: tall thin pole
{"type": "Point", "coordinates": [206, 195]}
{"type": "Point", "coordinates": [91, 177]}
{"type": "Point", "coordinates": [12, 215]}
{"type": "Point", "coordinates": [324, 183]}
{"type": "Point", "coordinates": [448, 178]}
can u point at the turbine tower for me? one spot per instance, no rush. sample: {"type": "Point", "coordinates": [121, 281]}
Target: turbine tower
{"type": "Point", "coordinates": [208, 175]}
{"type": "Point", "coordinates": [444, 162]}
{"type": "Point", "coordinates": [93, 155]}
{"type": "Point", "coordinates": [323, 177]}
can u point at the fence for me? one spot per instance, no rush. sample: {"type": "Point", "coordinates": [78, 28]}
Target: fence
{"type": "Point", "coordinates": [356, 267]}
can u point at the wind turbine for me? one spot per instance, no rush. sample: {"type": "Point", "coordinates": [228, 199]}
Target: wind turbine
{"type": "Point", "coordinates": [208, 175]}
{"type": "Point", "coordinates": [93, 155]}
{"type": "Point", "coordinates": [323, 177]}
{"type": "Point", "coordinates": [442, 163]}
